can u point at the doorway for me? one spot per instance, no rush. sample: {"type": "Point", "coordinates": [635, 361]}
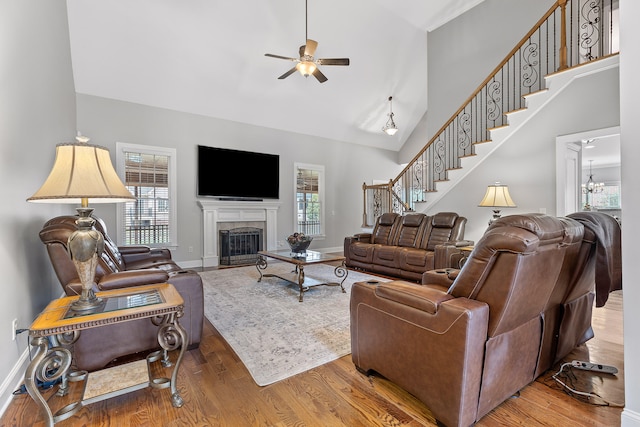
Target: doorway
{"type": "Point", "coordinates": [575, 153]}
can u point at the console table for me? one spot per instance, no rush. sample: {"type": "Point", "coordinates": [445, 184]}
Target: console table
{"type": "Point", "coordinates": [58, 323]}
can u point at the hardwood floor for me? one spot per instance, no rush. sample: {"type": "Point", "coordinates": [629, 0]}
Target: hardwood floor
{"type": "Point", "coordinates": [219, 391]}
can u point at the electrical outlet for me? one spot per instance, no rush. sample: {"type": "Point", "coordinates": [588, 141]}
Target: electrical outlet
{"type": "Point", "coordinates": [14, 328]}
{"type": "Point", "coordinates": [190, 249]}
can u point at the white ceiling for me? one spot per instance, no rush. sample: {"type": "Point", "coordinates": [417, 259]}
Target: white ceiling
{"type": "Point", "coordinates": [207, 57]}
{"type": "Point", "coordinates": [601, 152]}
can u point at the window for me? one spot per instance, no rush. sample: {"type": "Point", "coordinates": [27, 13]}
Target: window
{"type": "Point", "coordinates": [149, 174]}
{"type": "Point", "coordinates": [309, 206]}
{"type": "Point", "coordinates": [607, 198]}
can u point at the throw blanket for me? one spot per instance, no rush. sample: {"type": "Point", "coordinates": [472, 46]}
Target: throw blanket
{"type": "Point", "coordinates": [608, 252]}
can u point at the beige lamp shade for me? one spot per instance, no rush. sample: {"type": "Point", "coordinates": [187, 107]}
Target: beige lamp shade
{"type": "Point", "coordinates": [497, 196]}
{"type": "Point", "coordinates": [82, 172]}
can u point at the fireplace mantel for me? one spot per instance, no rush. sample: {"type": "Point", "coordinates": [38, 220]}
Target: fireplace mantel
{"type": "Point", "coordinates": [217, 211]}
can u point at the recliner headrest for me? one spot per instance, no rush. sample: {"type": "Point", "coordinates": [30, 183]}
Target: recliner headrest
{"type": "Point", "coordinates": [413, 220]}
{"type": "Point", "coordinates": [388, 218]}
{"type": "Point", "coordinates": [549, 229]}
{"type": "Point", "coordinates": [444, 219]}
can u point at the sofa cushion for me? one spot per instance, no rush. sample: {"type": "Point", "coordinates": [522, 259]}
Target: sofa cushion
{"type": "Point", "coordinates": [384, 231]}
{"type": "Point", "coordinates": [411, 231]}
{"type": "Point", "coordinates": [415, 260]}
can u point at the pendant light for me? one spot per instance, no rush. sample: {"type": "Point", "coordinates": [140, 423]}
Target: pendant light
{"type": "Point", "coordinates": [390, 128]}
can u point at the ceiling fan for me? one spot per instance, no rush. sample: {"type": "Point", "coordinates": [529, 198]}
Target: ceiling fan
{"type": "Point", "coordinates": [306, 63]}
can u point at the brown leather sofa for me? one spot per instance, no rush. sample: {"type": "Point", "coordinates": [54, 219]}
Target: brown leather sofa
{"type": "Point", "coordinates": [465, 349]}
{"type": "Point", "coordinates": [122, 267]}
{"type": "Point", "coordinates": [405, 246]}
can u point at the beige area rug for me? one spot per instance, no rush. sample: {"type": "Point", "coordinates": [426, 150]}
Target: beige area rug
{"type": "Point", "coordinates": [274, 335]}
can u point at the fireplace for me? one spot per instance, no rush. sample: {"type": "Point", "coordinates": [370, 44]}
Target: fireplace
{"type": "Point", "coordinates": [240, 245]}
{"type": "Point", "coordinates": [218, 214]}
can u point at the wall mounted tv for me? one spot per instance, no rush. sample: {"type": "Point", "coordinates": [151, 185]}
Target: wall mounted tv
{"type": "Point", "coordinates": [239, 175]}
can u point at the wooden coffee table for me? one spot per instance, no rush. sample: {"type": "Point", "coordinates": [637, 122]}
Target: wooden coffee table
{"type": "Point", "coordinates": [297, 276]}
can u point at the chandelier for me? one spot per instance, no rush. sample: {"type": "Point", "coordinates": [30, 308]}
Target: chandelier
{"type": "Point", "coordinates": [591, 187]}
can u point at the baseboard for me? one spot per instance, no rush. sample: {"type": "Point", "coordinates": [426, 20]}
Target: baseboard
{"type": "Point", "coordinates": [191, 264]}
{"type": "Point", "coordinates": [13, 381]}
{"type": "Point", "coordinates": [629, 418]}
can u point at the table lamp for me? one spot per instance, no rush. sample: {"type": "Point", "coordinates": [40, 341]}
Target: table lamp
{"type": "Point", "coordinates": [82, 171]}
{"type": "Point", "coordinates": [497, 196]}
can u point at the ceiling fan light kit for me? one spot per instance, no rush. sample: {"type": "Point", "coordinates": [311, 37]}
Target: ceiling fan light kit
{"type": "Point", "coordinates": [306, 68]}
{"type": "Point", "coordinates": [306, 64]}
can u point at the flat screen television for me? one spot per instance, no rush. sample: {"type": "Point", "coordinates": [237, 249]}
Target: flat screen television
{"type": "Point", "coordinates": [240, 175]}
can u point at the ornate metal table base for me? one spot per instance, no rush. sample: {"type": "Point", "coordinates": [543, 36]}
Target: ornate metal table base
{"type": "Point", "coordinates": [299, 279]}
{"type": "Point", "coordinates": [53, 363]}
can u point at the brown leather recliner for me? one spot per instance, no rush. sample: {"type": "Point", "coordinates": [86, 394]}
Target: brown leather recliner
{"type": "Point", "coordinates": [464, 350]}
{"type": "Point", "coordinates": [567, 317]}
{"type": "Point", "coordinates": [123, 267]}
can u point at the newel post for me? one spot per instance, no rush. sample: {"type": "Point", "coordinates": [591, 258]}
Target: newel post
{"type": "Point", "coordinates": [364, 208]}
{"type": "Point", "coordinates": [563, 34]}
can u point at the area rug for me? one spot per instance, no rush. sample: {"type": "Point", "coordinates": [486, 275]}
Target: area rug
{"type": "Point", "coordinates": [273, 334]}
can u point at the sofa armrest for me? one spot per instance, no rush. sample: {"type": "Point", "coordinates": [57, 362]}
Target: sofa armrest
{"type": "Point", "coordinates": [460, 243]}
{"type": "Point", "coordinates": [442, 277]}
{"type": "Point", "coordinates": [132, 254]}
{"type": "Point", "coordinates": [409, 294]}
{"type": "Point", "coordinates": [125, 279]}
{"type": "Point", "coordinates": [362, 237]}
{"type": "Point", "coordinates": [450, 254]}
{"type": "Point", "coordinates": [189, 284]}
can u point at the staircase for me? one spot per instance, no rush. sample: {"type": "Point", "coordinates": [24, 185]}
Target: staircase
{"type": "Point", "coordinates": [573, 39]}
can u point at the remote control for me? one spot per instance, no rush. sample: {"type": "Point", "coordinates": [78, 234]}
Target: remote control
{"type": "Point", "coordinates": [597, 367]}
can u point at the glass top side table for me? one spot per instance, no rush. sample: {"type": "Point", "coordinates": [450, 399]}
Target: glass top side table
{"type": "Point", "coordinates": [161, 303]}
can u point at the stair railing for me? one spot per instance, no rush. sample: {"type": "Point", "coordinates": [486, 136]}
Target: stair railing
{"type": "Point", "coordinates": [571, 33]}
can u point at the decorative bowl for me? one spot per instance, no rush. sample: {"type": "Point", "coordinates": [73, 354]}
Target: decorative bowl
{"type": "Point", "coordinates": [298, 242]}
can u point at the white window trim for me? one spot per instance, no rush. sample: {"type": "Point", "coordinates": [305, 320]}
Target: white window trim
{"type": "Point", "coordinates": [320, 170]}
{"type": "Point", "coordinates": [121, 148]}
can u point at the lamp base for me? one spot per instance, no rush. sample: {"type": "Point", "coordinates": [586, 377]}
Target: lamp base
{"type": "Point", "coordinates": [496, 215]}
{"type": "Point", "coordinates": [85, 245]}
{"type": "Point", "coordinates": [88, 303]}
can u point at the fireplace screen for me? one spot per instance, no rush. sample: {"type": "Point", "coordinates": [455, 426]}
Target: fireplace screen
{"type": "Point", "coordinates": [240, 245]}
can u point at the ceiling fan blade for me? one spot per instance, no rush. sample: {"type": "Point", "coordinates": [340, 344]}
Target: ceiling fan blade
{"type": "Point", "coordinates": [288, 73]}
{"type": "Point", "coordinates": [280, 57]}
{"type": "Point", "coordinates": [310, 47]}
{"type": "Point", "coordinates": [318, 75]}
{"type": "Point", "coordinates": [333, 61]}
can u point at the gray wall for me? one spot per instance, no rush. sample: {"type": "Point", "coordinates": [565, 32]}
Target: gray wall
{"type": "Point", "coordinates": [630, 154]}
{"type": "Point", "coordinates": [37, 111]}
{"type": "Point", "coordinates": [347, 166]}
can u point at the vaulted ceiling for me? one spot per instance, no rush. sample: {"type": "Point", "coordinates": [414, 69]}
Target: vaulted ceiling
{"type": "Point", "coordinates": [206, 57]}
